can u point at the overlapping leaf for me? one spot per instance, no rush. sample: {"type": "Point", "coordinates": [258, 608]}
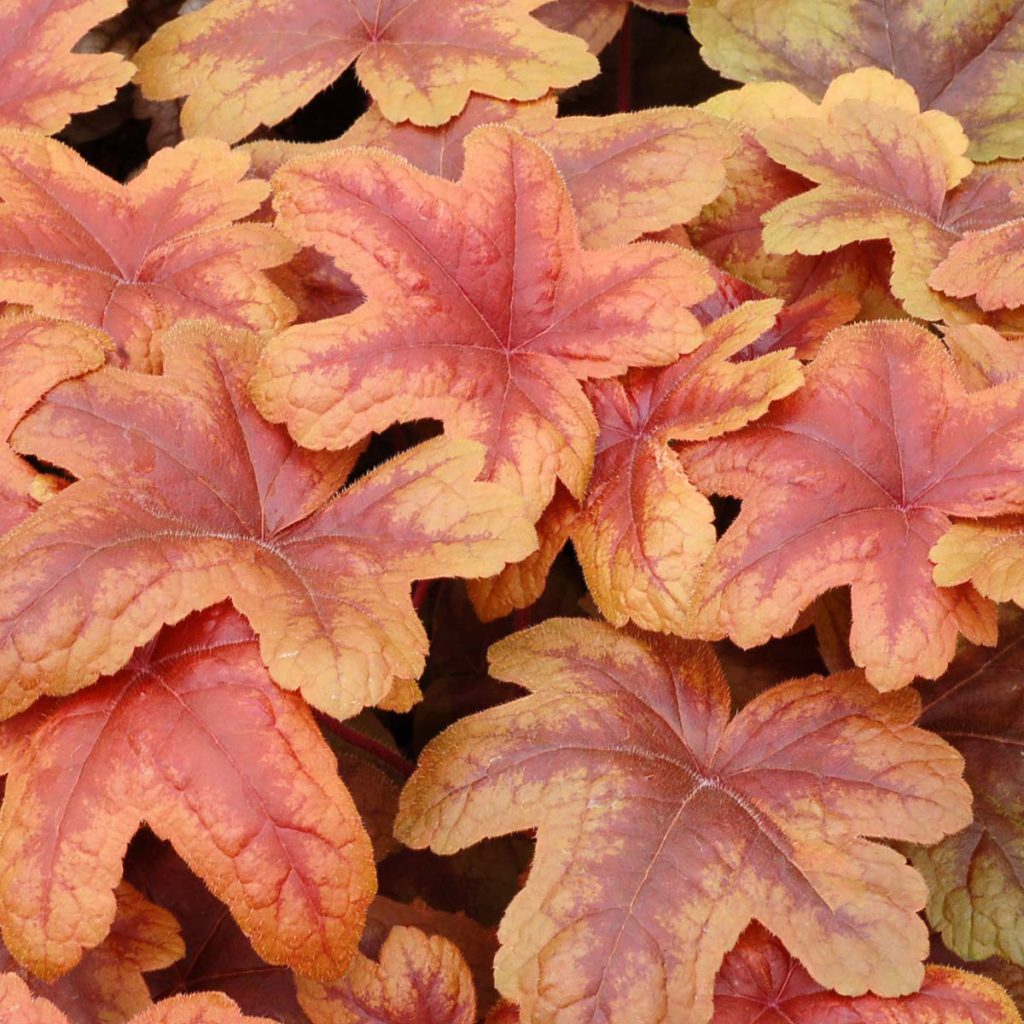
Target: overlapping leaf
{"type": "Point", "coordinates": [987, 266]}
{"type": "Point", "coordinates": [663, 828]}
{"type": "Point", "coordinates": [596, 21]}
{"type": "Point", "coordinates": [850, 482]}
{"type": "Point", "coordinates": [976, 877]}
{"type": "Point", "coordinates": [482, 309]}
{"type": "Point", "coordinates": [242, 63]}
{"type": "Point", "coordinates": [883, 170]}
{"type": "Point", "coordinates": [760, 983]}
{"type": "Point", "coordinates": [44, 82]}
{"type": "Point", "coordinates": [414, 979]}
{"type": "Point", "coordinates": [107, 986]}
{"type": "Point", "coordinates": [186, 496]}
{"type": "Point", "coordinates": [964, 59]}
{"type": "Point", "coordinates": [18, 1005]}
{"type": "Point", "coordinates": [138, 257]}
{"type": "Point", "coordinates": [194, 738]}
{"type": "Point", "coordinates": [35, 355]}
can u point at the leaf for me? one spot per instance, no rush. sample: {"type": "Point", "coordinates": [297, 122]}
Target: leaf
{"type": "Point", "coordinates": [417, 979]}
{"type": "Point", "coordinates": [107, 986]}
{"type": "Point", "coordinates": [210, 1008]}
{"type": "Point", "coordinates": [217, 956]}
{"type": "Point", "coordinates": [644, 531]}
{"type": "Point", "coordinates": [961, 59]}
{"type": "Point", "coordinates": [194, 738]}
{"type": "Point", "coordinates": [242, 64]}
{"type": "Point", "coordinates": [987, 266]}
{"type": "Point", "coordinates": [35, 355]}
{"type": "Point", "coordinates": [42, 94]}
{"type": "Point", "coordinates": [482, 309]}
{"type": "Point", "coordinates": [596, 21]}
{"type": "Point", "coordinates": [135, 258]}
{"type": "Point", "coordinates": [729, 230]}
{"type": "Point", "coordinates": [849, 482]}
{"type": "Point", "coordinates": [627, 174]}
{"type": "Point", "coordinates": [760, 982]}
{"type": "Point", "coordinates": [985, 356]}
{"type": "Point", "coordinates": [663, 828]}
{"type": "Point", "coordinates": [975, 877]}
{"type": "Point", "coordinates": [164, 521]}
{"type": "Point", "coordinates": [883, 170]}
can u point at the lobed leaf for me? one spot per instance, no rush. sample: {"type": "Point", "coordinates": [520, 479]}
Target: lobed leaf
{"type": "Point", "coordinates": [194, 738]}
{"type": "Point", "coordinates": [186, 496]}
{"type": "Point", "coordinates": [482, 309]}
{"type": "Point", "coordinates": [760, 982]}
{"type": "Point", "coordinates": [416, 979]}
{"type": "Point", "coordinates": [985, 265]}
{"type": "Point", "coordinates": [663, 828]}
{"type": "Point", "coordinates": [242, 64]}
{"type": "Point", "coordinates": [964, 59]}
{"type": "Point", "coordinates": [133, 259]}
{"type": "Point", "coordinates": [850, 481]}
{"type": "Point", "coordinates": [596, 21]}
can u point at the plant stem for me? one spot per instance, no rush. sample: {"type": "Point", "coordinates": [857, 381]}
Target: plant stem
{"type": "Point", "coordinates": [361, 741]}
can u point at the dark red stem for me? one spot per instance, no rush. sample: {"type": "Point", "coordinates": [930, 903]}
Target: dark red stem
{"type": "Point", "coordinates": [625, 76]}
{"type": "Point", "coordinates": [361, 741]}
{"type": "Point", "coordinates": [419, 593]}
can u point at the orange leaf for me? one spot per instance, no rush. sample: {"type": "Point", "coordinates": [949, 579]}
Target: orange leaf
{"type": "Point", "coordinates": [985, 356]}
{"type": "Point", "coordinates": [883, 170]}
{"type": "Point", "coordinates": [482, 309]}
{"type": "Point", "coordinates": [849, 482]}
{"type": "Point", "coordinates": [417, 979]}
{"type": "Point", "coordinates": [35, 355]}
{"type": "Point", "coordinates": [242, 63]}
{"type": "Point", "coordinates": [760, 983]}
{"type": "Point", "coordinates": [44, 82]}
{"type": "Point", "coordinates": [975, 877]}
{"type": "Point", "coordinates": [986, 265]}
{"type": "Point", "coordinates": [627, 174]}
{"type": "Point", "coordinates": [963, 59]}
{"type": "Point", "coordinates": [596, 21]}
{"type": "Point", "coordinates": [107, 986]}
{"type": "Point", "coordinates": [187, 496]}
{"type": "Point", "coordinates": [194, 738]}
{"type": "Point", "coordinates": [138, 257]}
{"type": "Point", "coordinates": [663, 828]}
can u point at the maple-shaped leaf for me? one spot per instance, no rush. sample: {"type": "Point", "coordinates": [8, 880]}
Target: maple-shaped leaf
{"type": "Point", "coordinates": [976, 878]}
{"type": "Point", "coordinates": [135, 258]}
{"type": "Point", "coordinates": [415, 979]}
{"type": "Point", "coordinates": [195, 739]}
{"type": "Point", "coordinates": [627, 174]}
{"type": "Point", "coordinates": [729, 229]}
{"type": "Point", "coordinates": [35, 355]}
{"type": "Point", "coordinates": [761, 983]}
{"type": "Point", "coordinates": [961, 59]}
{"type": "Point", "coordinates": [242, 63]}
{"type": "Point", "coordinates": [44, 82]}
{"type": "Point", "coordinates": [850, 481]}
{"type": "Point", "coordinates": [883, 170]}
{"type": "Point", "coordinates": [984, 355]}
{"type": "Point", "coordinates": [18, 1006]}
{"type": "Point", "coordinates": [987, 266]}
{"type": "Point", "coordinates": [107, 986]}
{"type": "Point", "coordinates": [186, 496]}
{"type": "Point", "coordinates": [663, 828]}
{"type": "Point", "coordinates": [482, 309]}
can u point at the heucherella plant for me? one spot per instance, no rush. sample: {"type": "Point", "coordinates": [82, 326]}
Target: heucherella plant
{"type": "Point", "coordinates": [486, 539]}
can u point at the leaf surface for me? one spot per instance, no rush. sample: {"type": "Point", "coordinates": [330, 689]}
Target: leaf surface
{"type": "Point", "coordinates": [883, 170]}
{"type": "Point", "coordinates": [482, 309]}
{"type": "Point", "coordinates": [107, 986]}
{"type": "Point", "coordinates": [186, 496]}
{"type": "Point", "coordinates": [964, 59]}
{"type": "Point", "coordinates": [242, 63]}
{"type": "Point", "coordinates": [850, 481]}
{"type": "Point", "coordinates": [663, 828]}
{"type": "Point", "coordinates": [976, 878]}
{"type": "Point", "coordinates": [987, 266]}
{"type": "Point", "coordinates": [194, 738]}
{"type": "Point", "coordinates": [135, 258]}
{"type": "Point", "coordinates": [35, 355]}
{"type": "Point", "coordinates": [44, 82]}
{"type": "Point", "coordinates": [760, 982]}
{"type": "Point", "coordinates": [415, 979]}
{"type": "Point", "coordinates": [596, 21]}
